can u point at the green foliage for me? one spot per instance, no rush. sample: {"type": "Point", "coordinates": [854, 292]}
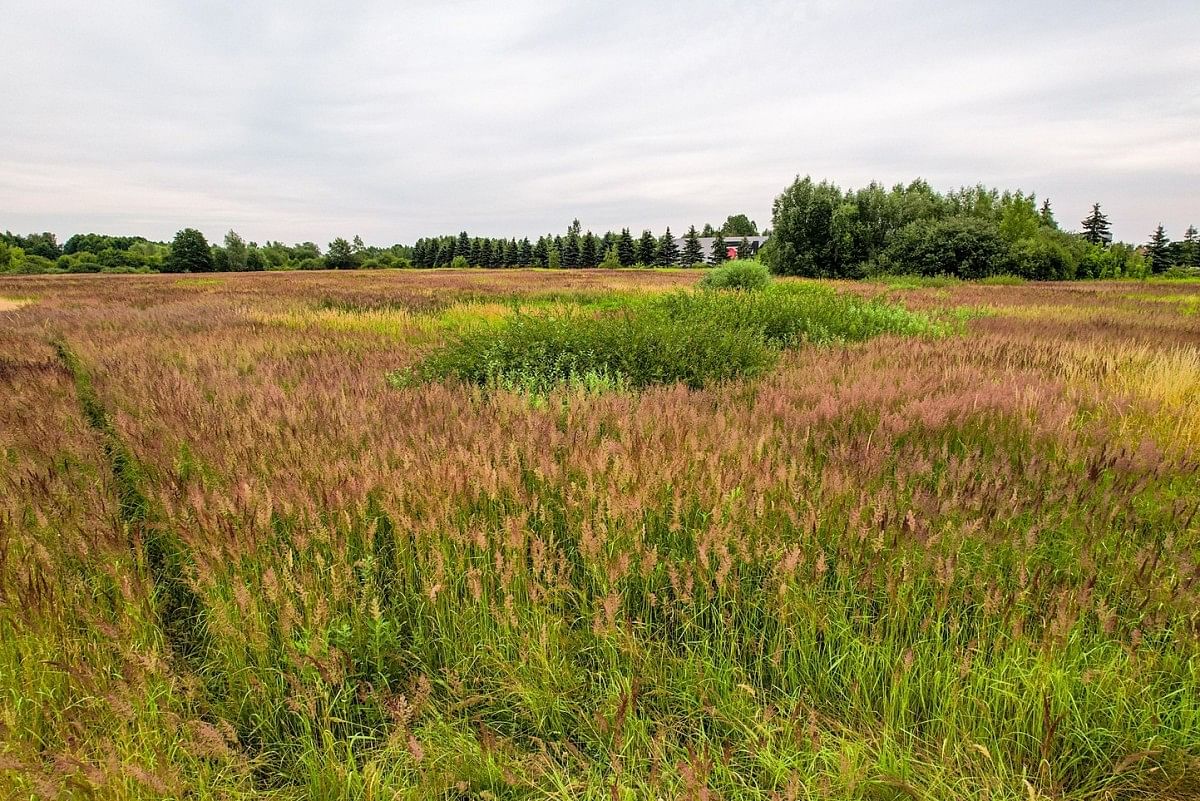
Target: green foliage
{"type": "Point", "coordinates": [719, 253]}
{"type": "Point", "coordinates": [1096, 228]}
{"type": "Point", "coordinates": [1158, 252]}
{"type": "Point", "coordinates": [697, 339]}
{"type": "Point", "coordinates": [741, 274]}
{"type": "Point", "coordinates": [739, 225]}
{"type": "Point", "coordinates": [668, 251]}
{"type": "Point", "coordinates": [693, 252]}
{"type": "Point", "coordinates": [189, 253]}
{"type": "Point", "coordinates": [964, 247]}
{"type": "Point", "coordinates": [340, 256]}
{"type": "Point", "coordinates": [612, 259]}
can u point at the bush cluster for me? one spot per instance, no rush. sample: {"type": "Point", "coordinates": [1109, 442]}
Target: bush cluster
{"type": "Point", "coordinates": [739, 274]}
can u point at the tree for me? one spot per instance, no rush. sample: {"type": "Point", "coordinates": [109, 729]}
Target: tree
{"type": "Point", "coordinates": [571, 246]}
{"type": "Point", "coordinates": [744, 248]}
{"type": "Point", "coordinates": [693, 252]}
{"type": "Point", "coordinates": [1096, 227]}
{"type": "Point", "coordinates": [708, 231]}
{"type": "Point", "coordinates": [964, 246]}
{"type": "Point", "coordinates": [645, 251]}
{"type": "Point", "coordinates": [625, 249]}
{"type": "Point", "coordinates": [1018, 217]}
{"type": "Point", "coordinates": [720, 251]}
{"type": "Point", "coordinates": [668, 251]}
{"type": "Point", "coordinates": [235, 250]}
{"type": "Point", "coordinates": [611, 259]}
{"type": "Point", "coordinates": [255, 262]}
{"type": "Point", "coordinates": [1191, 248]}
{"type": "Point", "coordinates": [587, 250]}
{"type": "Point", "coordinates": [803, 221]}
{"type": "Point", "coordinates": [341, 257]}
{"type": "Point", "coordinates": [554, 258]}
{"type": "Point", "coordinates": [739, 225]}
{"type": "Point", "coordinates": [1158, 250]}
{"type": "Point", "coordinates": [1046, 215]}
{"type": "Point", "coordinates": [189, 253]}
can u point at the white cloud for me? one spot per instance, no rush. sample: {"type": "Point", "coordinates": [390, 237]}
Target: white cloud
{"type": "Point", "coordinates": [310, 120]}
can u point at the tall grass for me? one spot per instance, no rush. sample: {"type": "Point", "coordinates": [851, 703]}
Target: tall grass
{"type": "Point", "coordinates": [920, 567]}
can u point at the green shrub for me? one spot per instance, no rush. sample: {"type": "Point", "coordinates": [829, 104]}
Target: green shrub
{"type": "Point", "coordinates": [741, 274]}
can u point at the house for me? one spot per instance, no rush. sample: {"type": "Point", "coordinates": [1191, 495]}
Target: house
{"type": "Point", "coordinates": [732, 244]}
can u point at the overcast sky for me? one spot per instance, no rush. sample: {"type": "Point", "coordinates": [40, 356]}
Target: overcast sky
{"type": "Point", "coordinates": [299, 120]}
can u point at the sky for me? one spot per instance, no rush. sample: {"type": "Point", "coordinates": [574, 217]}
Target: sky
{"type": "Point", "coordinates": [302, 121]}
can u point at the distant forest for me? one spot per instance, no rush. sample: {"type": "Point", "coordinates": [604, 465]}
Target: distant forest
{"type": "Point", "coordinates": [818, 230]}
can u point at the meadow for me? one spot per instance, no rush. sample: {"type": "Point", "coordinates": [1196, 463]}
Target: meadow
{"type": "Point", "coordinates": [598, 534]}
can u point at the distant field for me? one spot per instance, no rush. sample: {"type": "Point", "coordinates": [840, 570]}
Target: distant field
{"type": "Point", "coordinates": [597, 535]}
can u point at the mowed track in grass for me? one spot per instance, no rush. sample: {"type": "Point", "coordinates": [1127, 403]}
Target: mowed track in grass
{"type": "Point", "coordinates": [952, 567]}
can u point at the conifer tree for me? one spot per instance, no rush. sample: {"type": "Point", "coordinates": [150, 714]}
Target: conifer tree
{"type": "Point", "coordinates": [1158, 250]}
{"type": "Point", "coordinates": [744, 248]}
{"type": "Point", "coordinates": [645, 251]}
{"type": "Point", "coordinates": [541, 252]}
{"type": "Point", "coordinates": [1096, 227]}
{"type": "Point", "coordinates": [1046, 215]}
{"type": "Point", "coordinates": [587, 251]}
{"type": "Point", "coordinates": [1191, 248]}
{"type": "Point", "coordinates": [611, 259]}
{"type": "Point", "coordinates": [719, 253]}
{"type": "Point", "coordinates": [525, 253]}
{"type": "Point", "coordinates": [625, 249]}
{"type": "Point", "coordinates": [693, 253]}
{"type": "Point", "coordinates": [668, 251]}
{"type": "Point", "coordinates": [570, 248]}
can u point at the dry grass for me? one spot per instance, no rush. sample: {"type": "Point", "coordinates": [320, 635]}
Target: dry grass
{"type": "Point", "coordinates": [954, 568]}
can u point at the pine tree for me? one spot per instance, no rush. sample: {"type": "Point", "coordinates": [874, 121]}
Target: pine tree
{"type": "Point", "coordinates": [744, 248]}
{"type": "Point", "coordinates": [668, 251]}
{"type": "Point", "coordinates": [645, 250]}
{"type": "Point", "coordinates": [1046, 215]}
{"type": "Point", "coordinates": [1191, 248]}
{"type": "Point", "coordinates": [587, 251]}
{"type": "Point", "coordinates": [1096, 227]}
{"type": "Point", "coordinates": [719, 253]}
{"type": "Point", "coordinates": [1157, 250]}
{"type": "Point", "coordinates": [625, 249]}
{"type": "Point", "coordinates": [693, 253]}
{"type": "Point", "coordinates": [541, 252]}
{"type": "Point", "coordinates": [570, 247]}
{"type": "Point", "coordinates": [525, 252]}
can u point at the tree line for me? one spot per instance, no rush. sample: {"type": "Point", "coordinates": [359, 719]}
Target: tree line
{"type": "Point", "coordinates": [821, 231]}
{"type": "Point", "coordinates": [190, 251]}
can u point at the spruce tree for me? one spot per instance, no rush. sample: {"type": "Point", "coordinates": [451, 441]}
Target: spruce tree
{"type": "Point", "coordinates": [744, 248]}
{"type": "Point", "coordinates": [625, 249]}
{"type": "Point", "coordinates": [1158, 250]}
{"type": "Point", "coordinates": [645, 251]}
{"type": "Point", "coordinates": [587, 251]}
{"type": "Point", "coordinates": [1046, 215]}
{"type": "Point", "coordinates": [668, 251]}
{"type": "Point", "coordinates": [525, 252]}
{"type": "Point", "coordinates": [1096, 228]}
{"type": "Point", "coordinates": [719, 253]}
{"type": "Point", "coordinates": [1191, 248]}
{"type": "Point", "coordinates": [541, 252]}
{"type": "Point", "coordinates": [570, 247]}
{"type": "Point", "coordinates": [693, 253]}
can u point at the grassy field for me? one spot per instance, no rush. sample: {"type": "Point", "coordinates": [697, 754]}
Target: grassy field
{"type": "Point", "coordinates": [597, 535]}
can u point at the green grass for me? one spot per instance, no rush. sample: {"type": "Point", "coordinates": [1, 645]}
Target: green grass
{"type": "Point", "coordinates": [694, 338]}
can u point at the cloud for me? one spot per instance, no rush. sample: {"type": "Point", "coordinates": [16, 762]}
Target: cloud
{"type": "Point", "coordinates": [308, 120]}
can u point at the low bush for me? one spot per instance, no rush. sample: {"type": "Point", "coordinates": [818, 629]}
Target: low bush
{"type": "Point", "coordinates": [741, 274]}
